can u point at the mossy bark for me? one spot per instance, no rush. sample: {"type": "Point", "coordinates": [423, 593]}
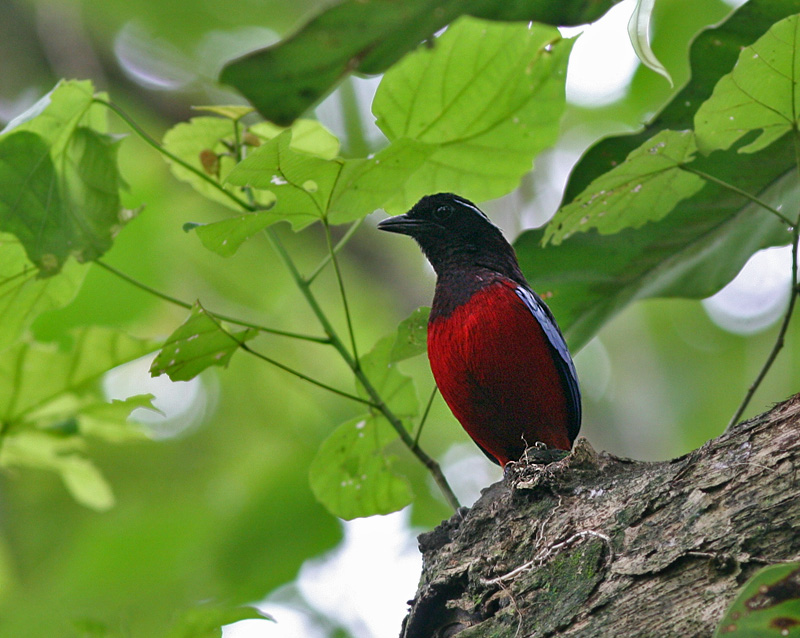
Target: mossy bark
{"type": "Point", "coordinates": [593, 545]}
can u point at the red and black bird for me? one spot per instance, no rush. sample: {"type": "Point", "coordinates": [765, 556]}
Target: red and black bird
{"type": "Point", "coordinates": [497, 355]}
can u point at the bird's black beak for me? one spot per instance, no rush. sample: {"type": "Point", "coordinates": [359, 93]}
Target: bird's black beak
{"type": "Point", "coordinates": [402, 224]}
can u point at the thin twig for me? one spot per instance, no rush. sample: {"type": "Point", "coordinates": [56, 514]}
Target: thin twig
{"type": "Point", "coordinates": [425, 413]}
{"type": "Point", "coordinates": [160, 148]}
{"type": "Point", "coordinates": [340, 282]}
{"type": "Point", "coordinates": [779, 342]}
{"type": "Point", "coordinates": [738, 191]}
{"type": "Point", "coordinates": [188, 306]}
{"type": "Point", "coordinates": [278, 364]}
{"type": "Point", "coordinates": [339, 245]}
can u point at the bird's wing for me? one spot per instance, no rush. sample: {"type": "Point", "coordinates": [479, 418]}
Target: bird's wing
{"type": "Point", "coordinates": [566, 367]}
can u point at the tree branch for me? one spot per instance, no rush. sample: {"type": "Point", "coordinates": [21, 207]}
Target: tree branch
{"type": "Point", "coordinates": [594, 545]}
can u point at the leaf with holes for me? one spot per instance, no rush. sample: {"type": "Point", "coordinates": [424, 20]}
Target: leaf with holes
{"type": "Point", "coordinates": [200, 342]}
{"type": "Point", "coordinates": [351, 474]}
{"type": "Point", "coordinates": [412, 335]}
{"type": "Point", "coordinates": [768, 606]}
{"type": "Point", "coordinates": [645, 187]}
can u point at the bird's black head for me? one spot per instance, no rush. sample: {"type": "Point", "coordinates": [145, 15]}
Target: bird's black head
{"type": "Point", "coordinates": [455, 235]}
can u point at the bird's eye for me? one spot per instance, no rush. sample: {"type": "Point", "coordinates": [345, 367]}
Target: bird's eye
{"type": "Point", "coordinates": [441, 213]}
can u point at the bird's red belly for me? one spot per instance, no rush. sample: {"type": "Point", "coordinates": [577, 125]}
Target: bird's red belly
{"type": "Point", "coordinates": [495, 369]}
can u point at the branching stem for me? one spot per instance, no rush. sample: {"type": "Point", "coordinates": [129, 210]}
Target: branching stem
{"type": "Point", "coordinates": [188, 306]}
{"type": "Point", "coordinates": [304, 285]}
{"type": "Point", "coordinates": [739, 191]}
{"type": "Point", "coordinates": [305, 288]}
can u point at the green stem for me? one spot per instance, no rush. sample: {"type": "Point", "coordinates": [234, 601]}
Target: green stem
{"type": "Point", "coordinates": [156, 145]}
{"type": "Point", "coordinates": [188, 306]}
{"type": "Point", "coordinates": [278, 364]}
{"type": "Point", "coordinates": [340, 281]}
{"type": "Point", "coordinates": [425, 414]}
{"type": "Point", "coordinates": [341, 244]}
{"type": "Point", "coordinates": [304, 287]}
{"type": "Point", "coordinates": [739, 191]}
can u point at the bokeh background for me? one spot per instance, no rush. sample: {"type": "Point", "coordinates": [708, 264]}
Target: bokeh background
{"type": "Point", "coordinates": [216, 505]}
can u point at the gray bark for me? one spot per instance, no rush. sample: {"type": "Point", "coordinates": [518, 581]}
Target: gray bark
{"type": "Point", "coordinates": [593, 545]}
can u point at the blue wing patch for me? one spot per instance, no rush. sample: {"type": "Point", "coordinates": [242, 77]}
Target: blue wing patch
{"type": "Point", "coordinates": [566, 367]}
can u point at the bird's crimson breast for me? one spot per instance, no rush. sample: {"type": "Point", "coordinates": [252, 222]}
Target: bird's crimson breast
{"type": "Point", "coordinates": [496, 370]}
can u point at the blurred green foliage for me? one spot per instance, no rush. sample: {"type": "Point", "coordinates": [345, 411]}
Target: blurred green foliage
{"type": "Point", "coordinates": [222, 511]}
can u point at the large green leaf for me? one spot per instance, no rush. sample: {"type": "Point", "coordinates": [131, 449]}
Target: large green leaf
{"type": "Point", "coordinates": [351, 474]}
{"type": "Point", "coordinates": [760, 94]}
{"type": "Point", "coordinates": [768, 606]}
{"type": "Point", "coordinates": [487, 98]}
{"type": "Point", "coordinates": [699, 246]}
{"type": "Point", "coordinates": [59, 180]}
{"type": "Point", "coordinates": [368, 36]}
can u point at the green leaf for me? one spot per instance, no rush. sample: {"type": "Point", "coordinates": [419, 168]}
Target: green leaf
{"type": "Point", "coordinates": [189, 140]}
{"type": "Point", "coordinates": [645, 187]}
{"type": "Point", "coordinates": [351, 474]}
{"type": "Point", "coordinates": [49, 398]}
{"type": "Point", "coordinates": [301, 183]}
{"type": "Point", "coordinates": [215, 137]}
{"type": "Point", "coordinates": [488, 97]}
{"type": "Point", "coordinates": [59, 180]}
{"type": "Point", "coordinates": [34, 375]}
{"type": "Point", "coordinates": [199, 342]}
{"type": "Point", "coordinates": [111, 421]}
{"type": "Point", "coordinates": [412, 336]}
{"type": "Point", "coordinates": [308, 136]}
{"type": "Point", "coordinates": [639, 33]}
{"type": "Point", "coordinates": [700, 246]}
{"type": "Point", "coordinates": [24, 295]}
{"type": "Point", "coordinates": [206, 621]}
{"type": "Point", "coordinates": [380, 367]}
{"type": "Point", "coordinates": [767, 606]}
{"type": "Point", "coordinates": [365, 185]}
{"type": "Point", "coordinates": [306, 188]}
{"type": "Point", "coordinates": [758, 95]}
{"type": "Point", "coordinates": [691, 253]}
{"type": "Point", "coordinates": [369, 36]}
{"type": "Point", "coordinates": [39, 450]}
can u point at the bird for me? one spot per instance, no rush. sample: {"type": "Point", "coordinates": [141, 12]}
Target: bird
{"type": "Point", "coordinates": [496, 353]}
